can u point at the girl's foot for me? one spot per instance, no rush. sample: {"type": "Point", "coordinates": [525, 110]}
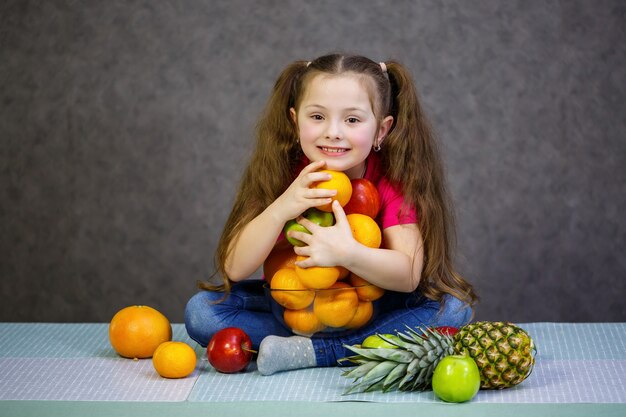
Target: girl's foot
{"type": "Point", "coordinates": [284, 354]}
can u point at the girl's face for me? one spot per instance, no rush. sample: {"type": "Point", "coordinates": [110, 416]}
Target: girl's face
{"type": "Point", "coordinates": [336, 123]}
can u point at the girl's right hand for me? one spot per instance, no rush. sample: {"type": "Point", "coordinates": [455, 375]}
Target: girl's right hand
{"type": "Point", "coordinates": [299, 197]}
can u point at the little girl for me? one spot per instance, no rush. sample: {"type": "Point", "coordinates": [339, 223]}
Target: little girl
{"type": "Point", "coordinates": [350, 114]}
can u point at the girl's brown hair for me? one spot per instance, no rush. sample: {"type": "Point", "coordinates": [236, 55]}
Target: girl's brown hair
{"type": "Point", "coordinates": [409, 157]}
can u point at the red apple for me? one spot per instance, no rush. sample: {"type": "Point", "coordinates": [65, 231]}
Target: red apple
{"type": "Point", "coordinates": [447, 330]}
{"type": "Point", "coordinates": [230, 350]}
{"type": "Point", "coordinates": [365, 198]}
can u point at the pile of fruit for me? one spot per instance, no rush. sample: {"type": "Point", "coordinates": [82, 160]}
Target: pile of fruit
{"type": "Point", "coordinates": [330, 298]}
{"type": "Point", "coordinates": [487, 355]}
{"type": "Point", "coordinates": [141, 332]}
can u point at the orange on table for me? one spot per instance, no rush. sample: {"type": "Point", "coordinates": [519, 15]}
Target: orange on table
{"type": "Point", "coordinates": [365, 230]}
{"type": "Point", "coordinates": [303, 322]}
{"type": "Point", "coordinates": [174, 359]}
{"type": "Point", "coordinates": [280, 257]}
{"type": "Point", "coordinates": [336, 306]}
{"type": "Point", "coordinates": [318, 277]}
{"type": "Point", "coordinates": [364, 312]}
{"type": "Point", "coordinates": [288, 290]}
{"type": "Point", "coordinates": [136, 331]}
{"type": "Point", "coordinates": [339, 182]}
{"type": "Point", "coordinates": [365, 290]}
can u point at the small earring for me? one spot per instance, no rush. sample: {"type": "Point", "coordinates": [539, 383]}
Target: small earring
{"type": "Point", "coordinates": [377, 147]}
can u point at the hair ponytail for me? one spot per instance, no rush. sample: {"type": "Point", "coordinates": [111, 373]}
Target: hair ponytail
{"type": "Point", "coordinates": [412, 160]}
{"type": "Point", "coordinates": [270, 169]}
{"type": "Point", "coordinates": [277, 150]}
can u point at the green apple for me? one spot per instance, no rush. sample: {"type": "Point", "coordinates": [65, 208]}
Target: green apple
{"type": "Point", "coordinates": [319, 217]}
{"type": "Point", "coordinates": [375, 341]}
{"type": "Point", "coordinates": [294, 225]}
{"type": "Point", "coordinates": [456, 379]}
{"type": "Point", "coordinates": [323, 218]}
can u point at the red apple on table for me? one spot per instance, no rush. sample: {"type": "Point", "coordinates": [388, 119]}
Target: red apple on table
{"type": "Point", "coordinates": [365, 198]}
{"type": "Point", "coordinates": [447, 330]}
{"type": "Point", "coordinates": [230, 350]}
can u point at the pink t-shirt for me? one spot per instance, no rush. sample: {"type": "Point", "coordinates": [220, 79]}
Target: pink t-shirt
{"type": "Point", "coordinates": [393, 209]}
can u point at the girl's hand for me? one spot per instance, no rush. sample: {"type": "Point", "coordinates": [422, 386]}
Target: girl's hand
{"type": "Point", "coordinates": [299, 197]}
{"type": "Point", "coordinates": [326, 246]}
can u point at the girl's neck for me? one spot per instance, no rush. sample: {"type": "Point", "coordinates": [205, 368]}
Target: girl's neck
{"type": "Point", "coordinates": [357, 171]}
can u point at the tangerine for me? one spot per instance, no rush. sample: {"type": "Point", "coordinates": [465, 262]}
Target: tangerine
{"type": "Point", "coordinates": [339, 182]}
{"type": "Point", "coordinates": [365, 290]}
{"type": "Point", "coordinates": [303, 322]}
{"type": "Point", "coordinates": [280, 257]}
{"type": "Point", "coordinates": [365, 230]}
{"type": "Point", "coordinates": [343, 272]}
{"type": "Point", "coordinates": [337, 305]}
{"type": "Point", "coordinates": [319, 277]}
{"type": "Point", "coordinates": [288, 290]}
{"type": "Point", "coordinates": [363, 314]}
{"type": "Point", "coordinates": [137, 331]}
{"type": "Point", "coordinates": [174, 359]}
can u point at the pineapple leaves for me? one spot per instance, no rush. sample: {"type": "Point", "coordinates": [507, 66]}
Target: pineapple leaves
{"type": "Point", "coordinates": [406, 367]}
{"type": "Point", "coordinates": [373, 379]}
{"type": "Point", "coordinates": [393, 378]}
{"type": "Point", "coordinates": [396, 355]}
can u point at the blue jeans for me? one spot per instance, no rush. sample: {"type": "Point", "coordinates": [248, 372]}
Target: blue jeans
{"type": "Point", "coordinates": [249, 308]}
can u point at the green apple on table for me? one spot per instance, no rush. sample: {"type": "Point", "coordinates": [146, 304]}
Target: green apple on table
{"type": "Point", "coordinates": [319, 217]}
{"type": "Point", "coordinates": [375, 341]}
{"type": "Point", "coordinates": [456, 379]}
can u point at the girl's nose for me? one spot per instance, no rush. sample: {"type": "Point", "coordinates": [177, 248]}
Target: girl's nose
{"type": "Point", "coordinates": [333, 130]}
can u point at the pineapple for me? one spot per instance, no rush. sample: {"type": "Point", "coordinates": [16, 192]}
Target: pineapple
{"type": "Point", "coordinates": [503, 352]}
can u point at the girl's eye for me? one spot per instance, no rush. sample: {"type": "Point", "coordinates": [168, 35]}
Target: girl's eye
{"type": "Point", "coordinates": [317, 117]}
{"type": "Point", "coordinates": [352, 120]}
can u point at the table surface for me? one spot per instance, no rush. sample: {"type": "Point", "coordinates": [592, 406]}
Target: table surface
{"type": "Point", "coordinates": [70, 369]}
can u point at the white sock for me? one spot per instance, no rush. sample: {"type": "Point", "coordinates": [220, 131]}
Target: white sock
{"type": "Point", "coordinates": [285, 353]}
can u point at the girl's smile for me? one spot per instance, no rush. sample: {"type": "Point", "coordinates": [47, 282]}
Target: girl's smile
{"type": "Point", "coordinates": [332, 150]}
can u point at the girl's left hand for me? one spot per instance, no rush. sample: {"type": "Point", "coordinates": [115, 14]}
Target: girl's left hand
{"type": "Point", "coordinates": [325, 246]}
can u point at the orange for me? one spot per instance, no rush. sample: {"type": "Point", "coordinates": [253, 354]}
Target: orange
{"type": "Point", "coordinates": [303, 322]}
{"type": "Point", "coordinates": [339, 182]}
{"type": "Point", "coordinates": [136, 331]}
{"type": "Point", "coordinates": [365, 290]}
{"type": "Point", "coordinates": [364, 312]}
{"type": "Point", "coordinates": [174, 359]}
{"type": "Point", "coordinates": [343, 272]}
{"type": "Point", "coordinates": [336, 306]}
{"type": "Point", "coordinates": [288, 290]}
{"type": "Point", "coordinates": [365, 230]}
{"type": "Point", "coordinates": [318, 277]}
{"type": "Point", "coordinates": [280, 257]}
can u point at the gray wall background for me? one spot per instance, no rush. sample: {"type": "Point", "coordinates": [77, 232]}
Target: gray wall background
{"type": "Point", "coordinates": [125, 125]}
